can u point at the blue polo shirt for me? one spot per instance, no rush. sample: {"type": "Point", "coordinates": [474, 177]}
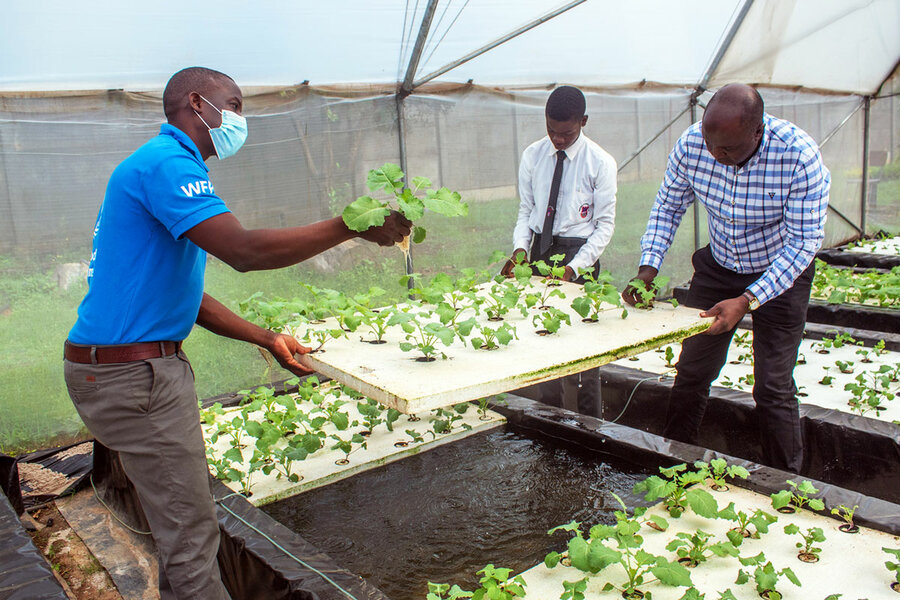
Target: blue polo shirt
{"type": "Point", "coordinates": [145, 278]}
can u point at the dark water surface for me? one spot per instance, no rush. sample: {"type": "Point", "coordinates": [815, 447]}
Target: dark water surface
{"type": "Point", "coordinates": [444, 514]}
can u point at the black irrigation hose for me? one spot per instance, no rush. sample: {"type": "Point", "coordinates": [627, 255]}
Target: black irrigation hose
{"type": "Point", "coordinates": [659, 378]}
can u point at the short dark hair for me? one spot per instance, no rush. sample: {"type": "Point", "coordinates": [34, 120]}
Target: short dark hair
{"type": "Point", "coordinates": [188, 80]}
{"type": "Point", "coordinates": [746, 99]}
{"type": "Point", "coordinates": [565, 104]}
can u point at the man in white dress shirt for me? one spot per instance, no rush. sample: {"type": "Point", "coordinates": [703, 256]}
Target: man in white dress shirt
{"type": "Point", "coordinates": [567, 191]}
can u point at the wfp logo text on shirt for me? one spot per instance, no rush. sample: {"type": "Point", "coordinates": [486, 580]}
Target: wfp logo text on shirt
{"type": "Point", "coordinates": [197, 187]}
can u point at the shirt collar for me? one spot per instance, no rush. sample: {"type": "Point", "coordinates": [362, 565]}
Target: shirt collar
{"type": "Point", "coordinates": [183, 139]}
{"type": "Point", "coordinates": [573, 150]}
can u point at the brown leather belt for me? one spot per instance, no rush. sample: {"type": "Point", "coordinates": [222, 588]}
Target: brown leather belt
{"type": "Point", "coordinates": [99, 355]}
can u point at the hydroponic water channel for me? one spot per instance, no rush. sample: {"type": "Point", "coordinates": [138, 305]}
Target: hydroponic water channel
{"type": "Point", "coordinates": [442, 515]}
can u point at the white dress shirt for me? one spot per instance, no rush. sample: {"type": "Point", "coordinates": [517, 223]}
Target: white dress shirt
{"type": "Point", "coordinates": [586, 205]}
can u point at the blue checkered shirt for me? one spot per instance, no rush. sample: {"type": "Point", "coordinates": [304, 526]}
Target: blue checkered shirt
{"type": "Point", "coordinates": [766, 217]}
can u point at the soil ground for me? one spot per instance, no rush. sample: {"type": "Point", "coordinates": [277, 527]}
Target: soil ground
{"type": "Point", "coordinates": [84, 577]}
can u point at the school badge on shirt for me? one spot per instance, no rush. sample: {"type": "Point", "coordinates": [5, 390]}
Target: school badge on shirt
{"type": "Point", "coordinates": [585, 210]}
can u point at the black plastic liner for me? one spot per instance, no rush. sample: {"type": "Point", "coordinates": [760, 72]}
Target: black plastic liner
{"type": "Point", "coordinates": [252, 567]}
{"type": "Point", "coordinates": [75, 468]}
{"type": "Point", "coordinates": [9, 483]}
{"type": "Point", "coordinates": [24, 573]}
{"type": "Point", "coordinates": [840, 257]}
{"type": "Point", "coordinates": [651, 450]}
{"type": "Point", "coordinates": [842, 449]}
{"type": "Point", "coordinates": [845, 316]}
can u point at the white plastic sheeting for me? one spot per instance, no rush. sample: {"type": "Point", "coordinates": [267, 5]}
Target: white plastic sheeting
{"type": "Point", "coordinates": [841, 45]}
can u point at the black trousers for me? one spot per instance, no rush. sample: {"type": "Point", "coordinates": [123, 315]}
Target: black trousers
{"type": "Point", "coordinates": [777, 331]}
{"type": "Point", "coordinates": [587, 382]}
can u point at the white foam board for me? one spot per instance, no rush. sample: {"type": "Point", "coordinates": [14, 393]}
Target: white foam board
{"type": "Point", "coordinates": [322, 468]}
{"type": "Point", "coordinates": [807, 376]}
{"type": "Point", "coordinates": [394, 378]}
{"type": "Point", "coordinates": [850, 564]}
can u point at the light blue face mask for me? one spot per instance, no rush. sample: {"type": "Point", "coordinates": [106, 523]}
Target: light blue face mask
{"type": "Point", "coordinates": [228, 137]}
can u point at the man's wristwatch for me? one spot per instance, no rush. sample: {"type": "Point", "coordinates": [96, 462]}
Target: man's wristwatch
{"type": "Point", "coordinates": [754, 302]}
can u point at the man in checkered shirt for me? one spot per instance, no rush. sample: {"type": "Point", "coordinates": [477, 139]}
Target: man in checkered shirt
{"type": "Point", "coordinates": [765, 190]}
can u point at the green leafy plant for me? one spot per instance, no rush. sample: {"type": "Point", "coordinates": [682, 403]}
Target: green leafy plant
{"type": "Point", "coordinates": [550, 319]}
{"type": "Point", "coordinates": [718, 469]}
{"type": "Point", "coordinates": [443, 420]}
{"type": "Point", "coordinates": [320, 337]}
{"type": "Point", "coordinates": [599, 295]}
{"type": "Point", "coordinates": [619, 544]}
{"type": "Point", "coordinates": [798, 496]}
{"type": "Point", "coordinates": [867, 353]}
{"type": "Point", "coordinates": [765, 576]}
{"type": "Point", "coordinates": [893, 566]}
{"type": "Point", "coordinates": [672, 488]}
{"type": "Point", "coordinates": [838, 285]}
{"type": "Point", "coordinates": [826, 379]}
{"type": "Point", "coordinates": [495, 583]}
{"type": "Point", "coordinates": [825, 345]}
{"type": "Point", "coordinates": [646, 294]}
{"type": "Point", "coordinates": [759, 518]}
{"type": "Point", "coordinates": [809, 552]}
{"type": "Point", "coordinates": [491, 338]}
{"type": "Point", "coordinates": [484, 404]}
{"type": "Point", "coordinates": [366, 211]}
{"type": "Point", "coordinates": [698, 546]}
{"type": "Point", "coordinates": [670, 357]}
{"type": "Point", "coordinates": [844, 366]}
{"type": "Point", "coordinates": [846, 514]}
{"type": "Point", "coordinates": [870, 389]}
{"type": "Point", "coordinates": [422, 334]}
{"type": "Point", "coordinates": [500, 298]}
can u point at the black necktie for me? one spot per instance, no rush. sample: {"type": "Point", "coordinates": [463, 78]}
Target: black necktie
{"type": "Point", "coordinates": [546, 239]}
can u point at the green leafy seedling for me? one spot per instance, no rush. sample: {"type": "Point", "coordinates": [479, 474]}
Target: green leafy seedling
{"type": "Point", "coordinates": [809, 552]}
{"type": "Point", "coordinates": [766, 577]}
{"type": "Point", "coordinates": [672, 488]}
{"type": "Point", "coordinates": [366, 211]}
{"type": "Point", "coordinates": [698, 546]}
{"type": "Point", "coordinates": [798, 496]}
{"type": "Point", "coordinates": [893, 566]}
{"type": "Point", "coordinates": [846, 514]}
{"type": "Point", "coordinates": [760, 520]}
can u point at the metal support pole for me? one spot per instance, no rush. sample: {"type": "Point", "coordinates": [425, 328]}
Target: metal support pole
{"type": "Point", "coordinates": [407, 86]}
{"type": "Point", "coordinates": [401, 133]}
{"type": "Point", "coordinates": [865, 166]}
{"type": "Point", "coordinates": [494, 44]}
{"type": "Point", "coordinates": [694, 208]}
{"type": "Point", "coordinates": [723, 47]}
{"type": "Point", "coordinates": [650, 141]}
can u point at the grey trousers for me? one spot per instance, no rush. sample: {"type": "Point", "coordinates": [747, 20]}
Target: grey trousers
{"type": "Point", "coordinates": [147, 412]}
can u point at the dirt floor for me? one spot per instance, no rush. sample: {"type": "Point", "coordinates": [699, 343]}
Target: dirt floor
{"type": "Point", "coordinates": [83, 576]}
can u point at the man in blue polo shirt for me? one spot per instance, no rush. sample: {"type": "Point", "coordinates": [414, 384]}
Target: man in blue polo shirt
{"type": "Point", "coordinates": [765, 189]}
{"type": "Point", "coordinates": [128, 378]}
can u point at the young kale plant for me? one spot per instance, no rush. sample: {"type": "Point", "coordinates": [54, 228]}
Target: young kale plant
{"type": "Point", "coordinates": [378, 322]}
{"type": "Point", "coordinates": [491, 338]}
{"type": "Point", "coordinates": [798, 496]}
{"type": "Point", "coordinates": [718, 469]}
{"type": "Point", "coordinates": [647, 294]}
{"type": "Point", "coordinates": [808, 551]}
{"type": "Point", "coordinates": [599, 295]}
{"type": "Point", "coordinates": [699, 546]}
{"type": "Point", "coordinates": [760, 520]}
{"type": "Point", "coordinates": [870, 389]}
{"type": "Point", "coordinates": [765, 576]}
{"type": "Point", "coordinates": [672, 488]}
{"type": "Point", "coordinates": [893, 566]}
{"type": "Point", "coordinates": [424, 335]}
{"type": "Point", "coordinates": [867, 353]}
{"type": "Point", "coordinates": [552, 274]}
{"type": "Point", "coordinates": [501, 297]}
{"type": "Point", "coordinates": [496, 584]}
{"type": "Point", "coordinates": [366, 211]}
{"type": "Point", "coordinates": [619, 544]}
{"type": "Point", "coordinates": [846, 514]}
{"type": "Point", "coordinates": [443, 420]}
{"type": "Point", "coordinates": [484, 405]}
{"type": "Point", "coordinates": [549, 320]}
